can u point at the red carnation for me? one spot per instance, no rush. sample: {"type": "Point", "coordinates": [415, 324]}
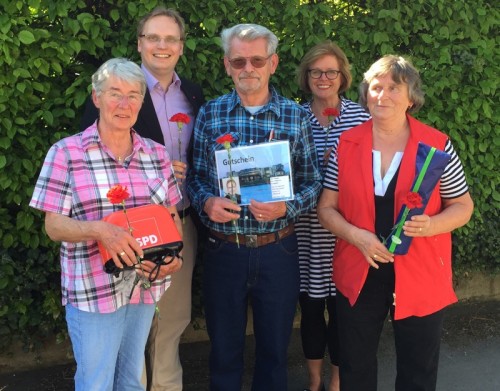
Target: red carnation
{"type": "Point", "coordinates": [117, 194]}
{"type": "Point", "coordinates": [226, 138]}
{"type": "Point", "coordinates": [413, 200]}
{"type": "Point", "coordinates": [181, 119]}
{"type": "Point", "coordinates": [331, 113]}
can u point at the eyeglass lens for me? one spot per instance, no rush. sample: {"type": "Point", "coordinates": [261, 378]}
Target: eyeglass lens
{"type": "Point", "coordinates": [154, 38]}
{"type": "Point", "coordinates": [241, 62]}
{"type": "Point", "coordinates": [116, 97]}
{"type": "Point", "coordinates": [331, 74]}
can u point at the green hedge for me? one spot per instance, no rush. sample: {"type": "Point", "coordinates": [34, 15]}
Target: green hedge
{"type": "Point", "coordinates": [48, 51]}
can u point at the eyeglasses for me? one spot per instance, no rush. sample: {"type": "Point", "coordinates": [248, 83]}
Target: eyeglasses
{"type": "Point", "coordinates": [133, 98]}
{"type": "Point", "coordinates": [331, 74]}
{"type": "Point", "coordinates": [256, 61]}
{"type": "Point", "coordinates": [156, 39]}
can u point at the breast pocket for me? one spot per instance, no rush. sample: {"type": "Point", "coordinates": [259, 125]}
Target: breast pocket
{"type": "Point", "coordinates": [158, 190]}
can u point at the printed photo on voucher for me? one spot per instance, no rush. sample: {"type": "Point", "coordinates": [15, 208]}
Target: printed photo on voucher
{"type": "Point", "coordinates": [260, 172]}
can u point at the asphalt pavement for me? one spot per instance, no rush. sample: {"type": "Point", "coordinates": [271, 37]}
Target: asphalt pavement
{"type": "Point", "coordinates": [469, 361]}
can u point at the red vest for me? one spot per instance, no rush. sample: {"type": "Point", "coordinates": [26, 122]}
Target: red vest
{"type": "Point", "coordinates": [423, 276]}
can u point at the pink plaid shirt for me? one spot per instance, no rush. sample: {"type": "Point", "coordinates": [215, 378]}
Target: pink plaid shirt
{"type": "Point", "coordinates": [77, 173]}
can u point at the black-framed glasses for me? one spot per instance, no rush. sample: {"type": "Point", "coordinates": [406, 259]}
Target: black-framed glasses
{"type": "Point", "coordinates": [256, 61]}
{"type": "Point", "coordinates": [156, 39]}
{"type": "Point", "coordinates": [331, 74]}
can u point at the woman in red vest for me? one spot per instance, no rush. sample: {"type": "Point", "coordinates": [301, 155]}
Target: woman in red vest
{"type": "Point", "coordinates": [366, 184]}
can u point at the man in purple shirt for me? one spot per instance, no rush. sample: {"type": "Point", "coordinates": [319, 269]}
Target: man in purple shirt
{"type": "Point", "coordinates": [161, 35]}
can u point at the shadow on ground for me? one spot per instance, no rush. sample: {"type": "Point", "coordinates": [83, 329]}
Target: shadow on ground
{"type": "Point", "coordinates": [469, 358]}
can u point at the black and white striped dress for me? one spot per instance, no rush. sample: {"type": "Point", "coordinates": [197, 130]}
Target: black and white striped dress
{"type": "Point", "coordinates": [316, 244]}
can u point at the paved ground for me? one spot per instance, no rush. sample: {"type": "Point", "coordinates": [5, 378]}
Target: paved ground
{"type": "Point", "coordinates": [470, 358]}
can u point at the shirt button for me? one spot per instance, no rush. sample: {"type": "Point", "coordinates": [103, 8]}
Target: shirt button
{"type": "Point", "coordinates": [251, 141]}
{"type": "Point", "coordinates": [246, 217]}
{"type": "Point", "coordinates": [252, 118]}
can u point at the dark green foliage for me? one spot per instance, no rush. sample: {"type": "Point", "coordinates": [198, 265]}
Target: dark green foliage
{"type": "Point", "coordinates": [49, 49]}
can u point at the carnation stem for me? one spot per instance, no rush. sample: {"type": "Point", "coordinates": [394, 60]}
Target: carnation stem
{"type": "Point", "coordinates": [415, 189]}
{"type": "Point", "coordinates": [399, 228]}
{"type": "Point", "coordinates": [232, 196]}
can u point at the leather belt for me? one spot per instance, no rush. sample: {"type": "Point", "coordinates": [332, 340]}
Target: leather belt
{"type": "Point", "coordinates": [185, 212]}
{"type": "Point", "coordinates": [256, 240]}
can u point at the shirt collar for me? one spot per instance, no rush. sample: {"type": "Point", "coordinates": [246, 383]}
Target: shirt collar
{"type": "Point", "coordinates": [91, 138]}
{"type": "Point", "coordinates": [343, 104]}
{"type": "Point", "coordinates": [152, 82]}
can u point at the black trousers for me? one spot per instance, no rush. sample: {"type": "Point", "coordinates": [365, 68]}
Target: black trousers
{"type": "Point", "coordinates": [417, 340]}
{"type": "Point", "coordinates": [315, 332]}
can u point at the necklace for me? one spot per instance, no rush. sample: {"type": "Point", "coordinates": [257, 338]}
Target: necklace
{"type": "Point", "coordinates": [114, 150]}
{"type": "Point", "coordinates": [122, 158]}
{"type": "Point", "coordinates": [127, 153]}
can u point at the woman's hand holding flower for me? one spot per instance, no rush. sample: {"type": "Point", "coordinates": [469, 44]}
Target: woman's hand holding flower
{"type": "Point", "coordinates": [371, 247]}
{"type": "Point", "coordinates": [119, 243]}
{"type": "Point", "coordinates": [117, 239]}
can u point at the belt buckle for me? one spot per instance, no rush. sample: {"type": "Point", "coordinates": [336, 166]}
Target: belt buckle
{"type": "Point", "coordinates": [251, 241]}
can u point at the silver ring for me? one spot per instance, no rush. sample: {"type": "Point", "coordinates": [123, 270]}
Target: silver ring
{"type": "Point", "coordinates": [122, 254]}
{"type": "Point", "coordinates": [374, 256]}
{"type": "Point", "coordinates": [260, 216]}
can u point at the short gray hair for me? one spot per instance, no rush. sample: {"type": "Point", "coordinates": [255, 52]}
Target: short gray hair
{"type": "Point", "coordinates": [248, 32]}
{"type": "Point", "coordinates": [401, 71]}
{"type": "Point", "coordinates": [121, 68]}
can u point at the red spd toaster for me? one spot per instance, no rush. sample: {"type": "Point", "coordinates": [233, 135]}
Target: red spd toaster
{"type": "Point", "coordinates": [154, 229]}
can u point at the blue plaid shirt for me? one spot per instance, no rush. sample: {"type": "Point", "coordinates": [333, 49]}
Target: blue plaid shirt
{"type": "Point", "coordinates": [226, 115]}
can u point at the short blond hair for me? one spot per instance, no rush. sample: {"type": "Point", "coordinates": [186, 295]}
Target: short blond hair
{"type": "Point", "coordinates": [162, 11]}
{"type": "Point", "coordinates": [326, 48]}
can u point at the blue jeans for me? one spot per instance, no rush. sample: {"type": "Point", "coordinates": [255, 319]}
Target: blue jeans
{"type": "Point", "coordinates": [268, 277]}
{"type": "Point", "coordinates": [109, 348]}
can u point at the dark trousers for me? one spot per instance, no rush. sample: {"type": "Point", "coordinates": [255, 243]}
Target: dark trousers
{"type": "Point", "coordinates": [417, 341]}
{"type": "Point", "coordinates": [268, 277]}
{"type": "Point", "coordinates": [315, 331]}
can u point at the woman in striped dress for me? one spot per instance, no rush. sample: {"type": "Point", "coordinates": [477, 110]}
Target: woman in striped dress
{"type": "Point", "coordinates": [323, 73]}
